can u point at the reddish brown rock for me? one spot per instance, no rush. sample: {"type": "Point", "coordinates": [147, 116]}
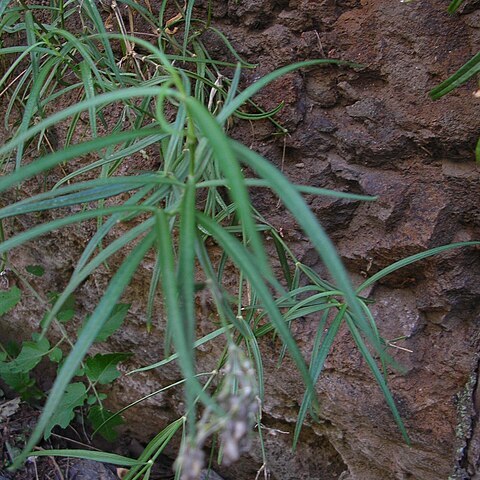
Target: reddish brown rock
{"type": "Point", "coordinates": [370, 130]}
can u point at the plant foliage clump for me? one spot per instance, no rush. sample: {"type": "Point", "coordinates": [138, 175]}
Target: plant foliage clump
{"type": "Point", "coordinates": [174, 103]}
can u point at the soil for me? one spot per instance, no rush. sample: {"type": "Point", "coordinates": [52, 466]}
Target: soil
{"type": "Point", "coordinates": [373, 130]}
{"type": "Point", "coordinates": [18, 419]}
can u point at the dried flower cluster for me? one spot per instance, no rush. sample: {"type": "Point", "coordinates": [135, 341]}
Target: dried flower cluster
{"type": "Point", "coordinates": [240, 404]}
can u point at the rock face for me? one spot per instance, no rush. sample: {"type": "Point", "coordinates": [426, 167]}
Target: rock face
{"type": "Point", "coordinates": [370, 130]}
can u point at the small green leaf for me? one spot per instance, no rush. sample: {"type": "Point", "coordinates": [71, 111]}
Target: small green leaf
{"type": "Point", "coordinates": [67, 310]}
{"type": "Point", "coordinates": [55, 355]}
{"type": "Point", "coordinates": [9, 299]}
{"type": "Point", "coordinates": [74, 397]}
{"type": "Point", "coordinates": [102, 368]}
{"type": "Point", "coordinates": [3, 356]}
{"type": "Point", "coordinates": [20, 382]}
{"type": "Point", "coordinates": [36, 270]}
{"type": "Point", "coordinates": [104, 422]}
{"type": "Point", "coordinates": [12, 348]}
{"type": "Point", "coordinates": [114, 322]}
{"type": "Point", "coordinates": [29, 356]}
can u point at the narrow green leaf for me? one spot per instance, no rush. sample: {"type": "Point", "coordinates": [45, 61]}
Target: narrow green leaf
{"type": "Point", "coordinates": [250, 268]}
{"type": "Point", "coordinates": [186, 273]}
{"type": "Point", "coordinates": [30, 31]}
{"type": "Point", "coordinates": [3, 6]}
{"type": "Point", "coordinates": [225, 156]}
{"type": "Point", "coordinates": [104, 422]}
{"type": "Point", "coordinates": [142, 399]}
{"type": "Point", "coordinates": [114, 322]}
{"type": "Point", "coordinates": [53, 159]}
{"type": "Point", "coordinates": [156, 446]}
{"type": "Point", "coordinates": [310, 225]}
{"type": "Point", "coordinates": [36, 204]}
{"type": "Point", "coordinates": [232, 50]}
{"type": "Point", "coordinates": [240, 99]}
{"type": "Point", "coordinates": [32, 104]}
{"type": "Point", "coordinates": [171, 358]}
{"type": "Point", "coordinates": [412, 259]}
{"type": "Point", "coordinates": [378, 376]}
{"type": "Point", "coordinates": [35, 232]}
{"type": "Point", "coordinates": [89, 89]}
{"type": "Point", "coordinates": [188, 19]}
{"type": "Point", "coordinates": [454, 5]}
{"type": "Point", "coordinates": [173, 308]}
{"type": "Point", "coordinates": [152, 291]}
{"type": "Point", "coordinates": [283, 261]}
{"type": "Point", "coordinates": [316, 368]}
{"type": "Point", "coordinates": [94, 15]}
{"type": "Point", "coordinates": [84, 341]}
{"type": "Point", "coordinates": [464, 73]}
{"type": "Point", "coordinates": [96, 456]}
{"type": "Point", "coordinates": [84, 269]}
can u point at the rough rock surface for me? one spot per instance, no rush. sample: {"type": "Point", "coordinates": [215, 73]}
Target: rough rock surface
{"type": "Point", "coordinates": [370, 130]}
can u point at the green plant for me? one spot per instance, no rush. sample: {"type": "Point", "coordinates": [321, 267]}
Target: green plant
{"type": "Point", "coordinates": [17, 363]}
{"type": "Point", "coordinates": [175, 103]}
{"type": "Point", "coordinates": [462, 75]}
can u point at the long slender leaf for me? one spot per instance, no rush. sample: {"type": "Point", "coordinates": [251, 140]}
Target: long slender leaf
{"type": "Point", "coordinates": [80, 274]}
{"type": "Point", "coordinates": [227, 160]}
{"type": "Point", "coordinates": [185, 282]}
{"type": "Point", "coordinates": [454, 5]}
{"type": "Point", "coordinates": [464, 73]}
{"type": "Point", "coordinates": [62, 222]}
{"type": "Point", "coordinates": [146, 397]}
{"type": "Point", "coordinates": [171, 358]}
{"type": "Point", "coordinates": [156, 446]}
{"type": "Point", "coordinates": [3, 6]}
{"type": "Point", "coordinates": [98, 100]}
{"type": "Point", "coordinates": [174, 311]}
{"type": "Point", "coordinates": [378, 376]}
{"type": "Point", "coordinates": [102, 312]}
{"type": "Point", "coordinates": [186, 261]}
{"type": "Point", "coordinates": [258, 182]}
{"type": "Point", "coordinates": [250, 91]}
{"type": "Point", "coordinates": [96, 456]}
{"type": "Point", "coordinates": [316, 368]}
{"type": "Point", "coordinates": [241, 256]}
{"type": "Point", "coordinates": [295, 203]}
{"type": "Point", "coordinates": [55, 158]}
{"type": "Point", "coordinates": [30, 31]}
{"type": "Point", "coordinates": [83, 192]}
{"type": "Point", "coordinates": [412, 259]}
{"type": "Point", "coordinates": [32, 104]}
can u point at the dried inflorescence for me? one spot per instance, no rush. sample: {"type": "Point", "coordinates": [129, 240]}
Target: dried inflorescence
{"type": "Point", "coordinates": [240, 405]}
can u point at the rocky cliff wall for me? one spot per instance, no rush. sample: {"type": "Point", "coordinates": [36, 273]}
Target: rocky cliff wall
{"type": "Point", "coordinates": [370, 130]}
